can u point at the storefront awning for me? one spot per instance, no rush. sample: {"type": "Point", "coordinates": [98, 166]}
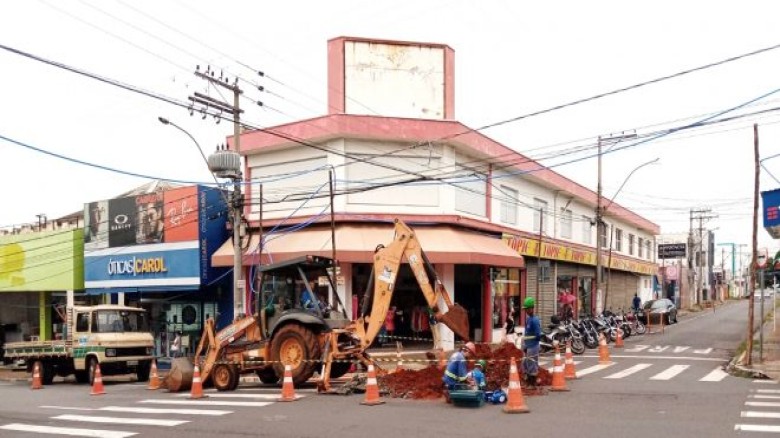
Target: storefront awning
{"type": "Point", "coordinates": [356, 243]}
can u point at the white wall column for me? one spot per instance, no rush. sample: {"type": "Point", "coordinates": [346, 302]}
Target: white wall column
{"type": "Point", "coordinates": [446, 274]}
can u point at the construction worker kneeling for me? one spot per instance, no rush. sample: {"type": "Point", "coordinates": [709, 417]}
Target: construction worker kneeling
{"type": "Point", "coordinates": [456, 373]}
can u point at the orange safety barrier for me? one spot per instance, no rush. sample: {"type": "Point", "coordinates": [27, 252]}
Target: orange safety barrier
{"type": "Point", "coordinates": [569, 371]}
{"type": "Point", "coordinates": [197, 385]}
{"type": "Point", "coordinates": [97, 382]}
{"type": "Point", "coordinates": [36, 376]}
{"type": "Point", "coordinates": [372, 389]}
{"type": "Point", "coordinates": [515, 403]}
{"type": "Point", "coordinates": [558, 381]}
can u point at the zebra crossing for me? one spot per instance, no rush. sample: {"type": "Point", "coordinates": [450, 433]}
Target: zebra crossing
{"type": "Point", "coordinates": [762, 410]}
{"type": "Point", "coordinates": [657, 371]}
{"type": "Point", "coordinates": [168, 411]}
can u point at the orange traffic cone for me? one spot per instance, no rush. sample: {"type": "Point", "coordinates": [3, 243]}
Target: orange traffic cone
{"type": "Point", "coordinates": [558, 381]}
{"type": "Point", "coordinates": [619, 338]}
{"type": "Point", "coordinates": [197, 385]}
{"type": "Point", "coordinates": [154, 379]}
{"type": "Point", "coordinates": [288, 389]}
{"type": "Point", "coordinates": [515, 403]}
{"type": "Point", "coordinates": [372, 389]}
{"type": "Point", "coordinates": [36, 376]}
{"type": "Point", "coordinates": [603, 351]}
{"type": "Point", "coordinates": [568, 369]}
{"type": "Point", "coordinates": [97, 382]}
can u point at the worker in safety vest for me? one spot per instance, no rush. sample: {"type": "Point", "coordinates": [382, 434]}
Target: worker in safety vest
{"type": "Point", "coordinates": [455, 373]}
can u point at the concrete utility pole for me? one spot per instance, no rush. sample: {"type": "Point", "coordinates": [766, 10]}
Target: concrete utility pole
{"type": "Point", "coordinates": [239, 285]}
{"type": "Point", "coordinates": [701, 215]}
{"type": "Point", "coordinates": [757, 170]}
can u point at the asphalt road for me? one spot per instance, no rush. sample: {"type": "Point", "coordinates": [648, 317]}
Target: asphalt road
{"type": "Point", "coordinates": [668, 384]}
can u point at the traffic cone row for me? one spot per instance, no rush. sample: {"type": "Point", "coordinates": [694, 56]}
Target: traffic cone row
{"type": "Point", "coordinates": [288, 389]}
{"type": "Point", "coordinates": [515, 403]}
{"type": "Point", "coordinates": [569, 371]}
{"type": "Point", "coordinates": [97, 382]}
{"type": "Point", "coordinates": [36, 376]}
{"type": "Point", "coordinates": [372, 389]}
{"type": "Point", "coordinates": [603, 350]}
{"type": "Point", "coordinates": [196, 391]}
{"type": "Point", "coordinates": [558, 381]}
{"type": "Point", "coordinates": [154, 379]}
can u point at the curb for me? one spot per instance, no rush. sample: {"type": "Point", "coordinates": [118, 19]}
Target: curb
{"type": "Point", "coordinates": [735, 367]}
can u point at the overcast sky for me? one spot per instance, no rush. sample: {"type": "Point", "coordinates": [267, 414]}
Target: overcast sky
{"type": "Point", "coordinates": [511, 58]}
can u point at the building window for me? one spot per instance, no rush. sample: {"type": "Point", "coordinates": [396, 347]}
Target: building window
{"type": "Point", "coordinates": [565, 223]}
{"type": "Point", "coordinates": [544, 271]}
{"type": "Point", "coordinates": [630, 244]}
{"type": "Point", "coordinates": [505, 285]}
{"type": "Point", "coordinates": [540, 207]}
{"type": "Point", "coordinates": [639, 246]}
{"type": "Point", "coordinates": [509, 205]}
{"type": "Point", "coordinates": [647, 247]}
{"type": "Point", "coordinates": [602, 230]}
{"type": "Point", "coordinates": [586, 230]}
{"type": "Point", "coordinates": [618, 239]}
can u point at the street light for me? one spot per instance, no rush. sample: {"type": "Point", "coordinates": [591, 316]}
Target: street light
{"type": "Point", "coordinates": [165, 121]}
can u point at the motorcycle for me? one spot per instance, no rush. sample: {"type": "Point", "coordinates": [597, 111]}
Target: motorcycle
{"type": "Point", "coordinates": [561, 331]}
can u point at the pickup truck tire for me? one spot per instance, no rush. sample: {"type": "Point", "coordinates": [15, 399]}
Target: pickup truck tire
{"type": "Point", "coordinates": [143, 370]}
{"type": "Point", "coordinates": [297, 346]}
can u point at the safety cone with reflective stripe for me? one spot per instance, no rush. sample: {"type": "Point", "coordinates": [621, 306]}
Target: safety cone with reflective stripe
{"type": "Point", "coordinates": [515, 403]}
{"type": "Point", "coordinates": [197, 385]}
{"type": "Point", "coordinates": [569, 371]}
{"type": "Point", "coordinates": [154, 379]}
{"type": "Point", "coordinates": [372, 389]}
{"type": "Point", "coordinates": [97, 382]}
{"type": "Point", "coordinates": [288, 389]}
{"type": "Point", "coordinates": [619, 338]}
{"type": "Point", "coordinates": [603, 350]}
{"type": "Point", "coordinates": [36, 376]}
{"type": "Point", "coordinates": [558, 381]}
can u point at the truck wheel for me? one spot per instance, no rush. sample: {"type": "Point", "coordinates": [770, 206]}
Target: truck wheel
{"type": "Point", "coordinates": [143, 370]}
{"type": "Point", "coordinates": [47, 373]}
{"type": "Point", "coordinates": [223, 377]}
{"type": "Point", "coordinates": [268, 376]}
{"type": "Point", "coordinates": [295, 345]}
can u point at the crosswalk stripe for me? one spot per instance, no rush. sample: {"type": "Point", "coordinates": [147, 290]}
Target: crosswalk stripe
{"type": "Point", "coordinates": [768, 391]}
{"type": "Point", "coordinates": [119, 420]}
{"type": "Point", "coordinates": [71, 431]}
{"type": "Point", "coordinates": [275, 390]}
{"type": "Point", "coordinates": [757, 428]}
{"type": "Point", "coordinates": [715, 375]}
{"type": "Point", "coordinates": [628, 371]}
{"type": "Point", "coordinates": [593, 369]}
{"type": "Point", "coordinates": [765, 381]}
{"type": "Point", "coordinates": [763, 404]}
{"type": "Point", "coordinates": [234, 395]}
{"type": "Point", "coordinates": [205, 402]}
{"type": "Point", "coordinates": [134, 410]}
{"type": "Point", "coordinates": [765, 396]}
{"type": "Point", "coordinates": [760, 414]}
{"type": "Point", "coordinates": [670, 372]}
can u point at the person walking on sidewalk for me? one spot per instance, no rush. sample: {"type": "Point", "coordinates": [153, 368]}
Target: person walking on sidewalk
{"type": "Point", "coordinates": [531, 339]}
{"type": "Point", "coordinates": [176, 345]}
{"type": "Point", "coordinates": [636, 303]}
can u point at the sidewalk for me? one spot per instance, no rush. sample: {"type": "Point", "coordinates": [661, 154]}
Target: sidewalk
{"type": "Point", "coordinates": [769, 367]}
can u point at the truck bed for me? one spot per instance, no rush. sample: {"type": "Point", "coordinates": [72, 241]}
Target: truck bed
{"type": "Point", "coordinates": [35, 349]}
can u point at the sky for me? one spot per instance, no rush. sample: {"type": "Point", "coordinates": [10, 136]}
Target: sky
{"type": "Point", "coordinates": [511, 59]}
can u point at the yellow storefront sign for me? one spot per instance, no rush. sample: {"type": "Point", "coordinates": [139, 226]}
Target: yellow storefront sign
{"type": "Point", "coordinates": [552, 251]}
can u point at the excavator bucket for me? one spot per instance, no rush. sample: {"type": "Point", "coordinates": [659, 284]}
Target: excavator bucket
{"type": "Point", "coordinates": [457, 319]}
{"type": "Point", "coordinates": [179, 378]}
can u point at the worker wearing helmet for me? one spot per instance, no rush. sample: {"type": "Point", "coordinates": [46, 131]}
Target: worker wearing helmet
{"type": "Point", "coordinates": [455, 373]}
{"type": "Point", "coordinates": [477, 375]}
{"type": "Point", "coordinates": [531, 339]}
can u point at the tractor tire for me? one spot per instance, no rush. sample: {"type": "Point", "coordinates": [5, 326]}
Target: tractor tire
{"type": "Point", "coordinates": [268, 376]}
{"type": "Point", "coordinates": [224, 377]}
{"type": "Point", "coordinates": [297, 346]}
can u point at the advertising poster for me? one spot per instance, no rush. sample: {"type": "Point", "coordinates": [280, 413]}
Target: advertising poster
{"type": "Point", "coordinates": [150, 225]}
{"type": "Point", "coordinates": [181, 214]}
{"type": "Point", "coordinates": [95, 225]}
{"type": "Point", "coordinates": [122, 218]}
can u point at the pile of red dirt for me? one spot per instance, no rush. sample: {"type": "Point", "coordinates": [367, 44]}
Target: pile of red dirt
{"type": "Point", "coordinates": [427, 383]}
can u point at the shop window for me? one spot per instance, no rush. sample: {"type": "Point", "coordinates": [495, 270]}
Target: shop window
{"type": "Point", "coordinates": [565, 223]}
{"type": "Point", "coordinates": [618, 239]}
{"type": "Point", "coordinates": [505, 287]}
{"type": "Point", "coordinates": [586, 230]}
{"type": "Point", "coordinates": [509, 205]}
{"type": "Point", "coordinates": [544, 271]}
{"type": "Point", "coordinates": [566, 296]}
{"type": "Point", "coordinates": [630, 244]}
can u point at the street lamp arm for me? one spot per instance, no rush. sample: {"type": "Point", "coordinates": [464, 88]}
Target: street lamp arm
{"type": "Point", "coordinates": [626, 180]}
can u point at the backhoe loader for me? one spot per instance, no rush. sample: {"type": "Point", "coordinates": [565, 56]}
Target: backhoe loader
{"type": "Point", "coordinates": [293, 327]}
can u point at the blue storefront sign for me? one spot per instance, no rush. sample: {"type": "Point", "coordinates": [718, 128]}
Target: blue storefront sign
{"type": "Point", "coordinates": [771, 202]}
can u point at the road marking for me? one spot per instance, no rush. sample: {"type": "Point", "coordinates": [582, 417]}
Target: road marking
{"type": "Point", "coordinates": [765, 397]}
{"type": "Point", "coordinates": [763, 404]}
{"type": "Point", "coordinates": [765, 381]}
{"type": "Point", "coordinates": [275, 389]}
{"type": "Point", "coordinates": [670, 372]}
{"type": "Point", "coordinates": [628, 371]}
{"type": "Point", "coordinates": [211, 412]}
{"type": "Point", "coordinates": [637, 348]}
{"type": "Point", "coordinates": [205, 403]}
{"type": "Point", "coordinates": [72, 431]}
{"type": "Point", "coordinates": [703, 351]}
{"type": "Point", "coordinates": [233, 395]}
{"type": "Point", "coordinates": [680, 349]}
{"type": "Point", "coordinates": [658, 349]}
{"type": "Point", "coordinates": [757, 428]}
{"type": "Point", "coordinates": [715, 375]}
{"type": "Point", "coordinates": [767, 391]}
{"type": "Point", "coordinates": [760, 414]}
{"type": "Point", "coordinates": [119, 420]}
{"type": "Point", "coordinates": [593, 369]}
{"type": "Point", "coordinates": [649, 357]}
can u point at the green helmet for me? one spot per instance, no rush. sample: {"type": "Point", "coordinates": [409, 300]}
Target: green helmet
{"type": "Point", "coordinates": [482, 364]}
{"type": "Point", "coordinates": [529, 303]}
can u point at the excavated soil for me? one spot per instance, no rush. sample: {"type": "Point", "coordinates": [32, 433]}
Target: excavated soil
{"type": "Point", "coordinates": [427, 383]}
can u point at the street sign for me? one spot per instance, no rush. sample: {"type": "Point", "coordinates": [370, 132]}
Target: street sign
{"type": "Point", "coordinates": [671, 250]}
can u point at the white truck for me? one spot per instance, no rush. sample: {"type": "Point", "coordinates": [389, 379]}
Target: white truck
{"type": "Point", "coordinates": [116, 337]}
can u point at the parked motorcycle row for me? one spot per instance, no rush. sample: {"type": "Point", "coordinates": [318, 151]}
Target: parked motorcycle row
{"type": "Point", "coordinates": [584, 333]}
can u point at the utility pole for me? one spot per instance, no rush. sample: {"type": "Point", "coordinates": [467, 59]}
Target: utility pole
{"type": "Point", "coordinates": [239, 285]}
{"type": "Point", "coordinates": [702, 215]}
{"type": "Point", "coordinates": [757, 170]}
